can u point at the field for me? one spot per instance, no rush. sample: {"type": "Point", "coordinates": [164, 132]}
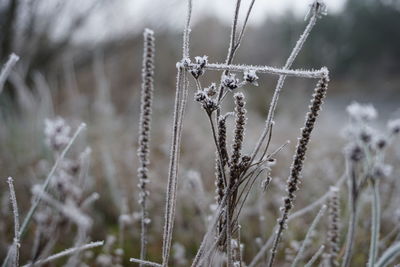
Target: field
{"type": "Point", "coordinates": [163, 150]}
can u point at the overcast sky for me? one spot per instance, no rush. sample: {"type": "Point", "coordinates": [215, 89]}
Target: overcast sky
{"type": "Point", "coordinates": [134, 15]}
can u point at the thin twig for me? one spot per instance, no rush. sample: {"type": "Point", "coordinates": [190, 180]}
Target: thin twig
{"type": "Point", "coordinates": [281, 81]}
{"type": "Point", "coordinates": [68, 252]}
{"type": "Point", "coordinates": [375, 227]}
{"type": "Point", "coordinates": [5, 71]}
{"type": "Point", "coordinates": [14, 249]}
{"type": "Point", "coordinates": [145, 263]}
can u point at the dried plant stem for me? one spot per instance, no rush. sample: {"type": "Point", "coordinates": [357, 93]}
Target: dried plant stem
{"type": "Point", "coordinates": [145, 263]}
{"type": "Point", "coordinates": [350, 239]}
{"type": "Point", "coordinates": [244, 25]}
{"type": "Point", "coordinates": [376, 214]}
{"type": "Point", "coordinates": [281, 81]}
{"type": "Point", "coordinates": [298, 160]}
{"type": "Point", "coordinates": [173, 170]}
{"type": "Point", "coordinates": [68, 252]}
{"type": "Point", "coordinates": [5, 71]}
{"type": "Point", "coordinates": [315, 257]}
{"type": "Point", "coordinates": [179, 110]}
{"type": "Point", "coordinates": [233, 45]}
{"type": "Point", "coordinates": [186, 31]}
{"type": "Point", "coordinates": [231, 50]}
{"type": "Point", "coordinates": [144, 133]}
{"type": "Point", "coordinates": [13, 252]}
{"type": "Point", "coordinates": [316, 220]}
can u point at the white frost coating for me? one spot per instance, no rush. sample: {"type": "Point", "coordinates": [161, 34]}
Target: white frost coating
{"type": "Point", "coordinates": [6, 70]}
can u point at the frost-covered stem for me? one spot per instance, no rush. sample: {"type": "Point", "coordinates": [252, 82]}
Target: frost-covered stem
{"type": "Point", "coordinates": [311, 74]}
{"type": "Point", "coordinates": [89, 200]}
{"type": "Point", "coordinates": [300, 253]}
{"type": "Point", "coordinates": [179, 110]}
{"type": "Point", "coordinates": [376, 213]}
{"type": "Point", "coordinates": [5, 71]}
{"type": "Point", "coordinates": [68, 252]}
{"type": "Point", "coordinates": [172, 172]}
{"type": "Point", "coordinates": [46, 183]}
{"type": "Point", "coordinates": [281, 81]}
{"type": "Point", "coordinates": [244, 25]}
{"type": "Point", "coordinates": [298, 160]}
{"type": "Point", "coordinates": [145, 263]}
{"type": "Point", "coordinates": [389, 255]}
{"type": "Point", "coordinates": [13, 199]}
{"type": "Point", "coordinates": [232, 40]}
{"type": "Point", "coordinates": [14, 250]}
{"type": "Point", "coordinates": [186, 31]}
{"type": "Point", "coordinates": [353, 215]}
{"type": "Point", "coordinates": [144, 132]}
{"type": "Point", "coordinates": [315, 257]}
{"type": "Point", "coordinates": [350, 239]}
{"type": "Point", "coordinates": [181, 100]}
{"type": "Point", "coordinates": [231, 51]}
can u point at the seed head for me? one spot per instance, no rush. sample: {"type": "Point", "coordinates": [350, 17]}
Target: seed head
{"type": "Point", "coordinates": [230, 81]}
{"type": "Point", "coordinates": [250, 76]}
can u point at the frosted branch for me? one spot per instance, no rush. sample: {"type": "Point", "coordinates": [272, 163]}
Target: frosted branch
{"type": "Point", "coordinates": [145, 263]}
{"type": "Point", "coordinates": [312, 74]}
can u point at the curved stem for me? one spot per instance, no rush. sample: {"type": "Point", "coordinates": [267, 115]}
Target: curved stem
{"type": "Point", "coordinates": [373, 251]}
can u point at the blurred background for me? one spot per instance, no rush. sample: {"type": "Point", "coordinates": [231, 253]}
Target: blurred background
{"type": "Point", "coordinates": [82, 60]}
